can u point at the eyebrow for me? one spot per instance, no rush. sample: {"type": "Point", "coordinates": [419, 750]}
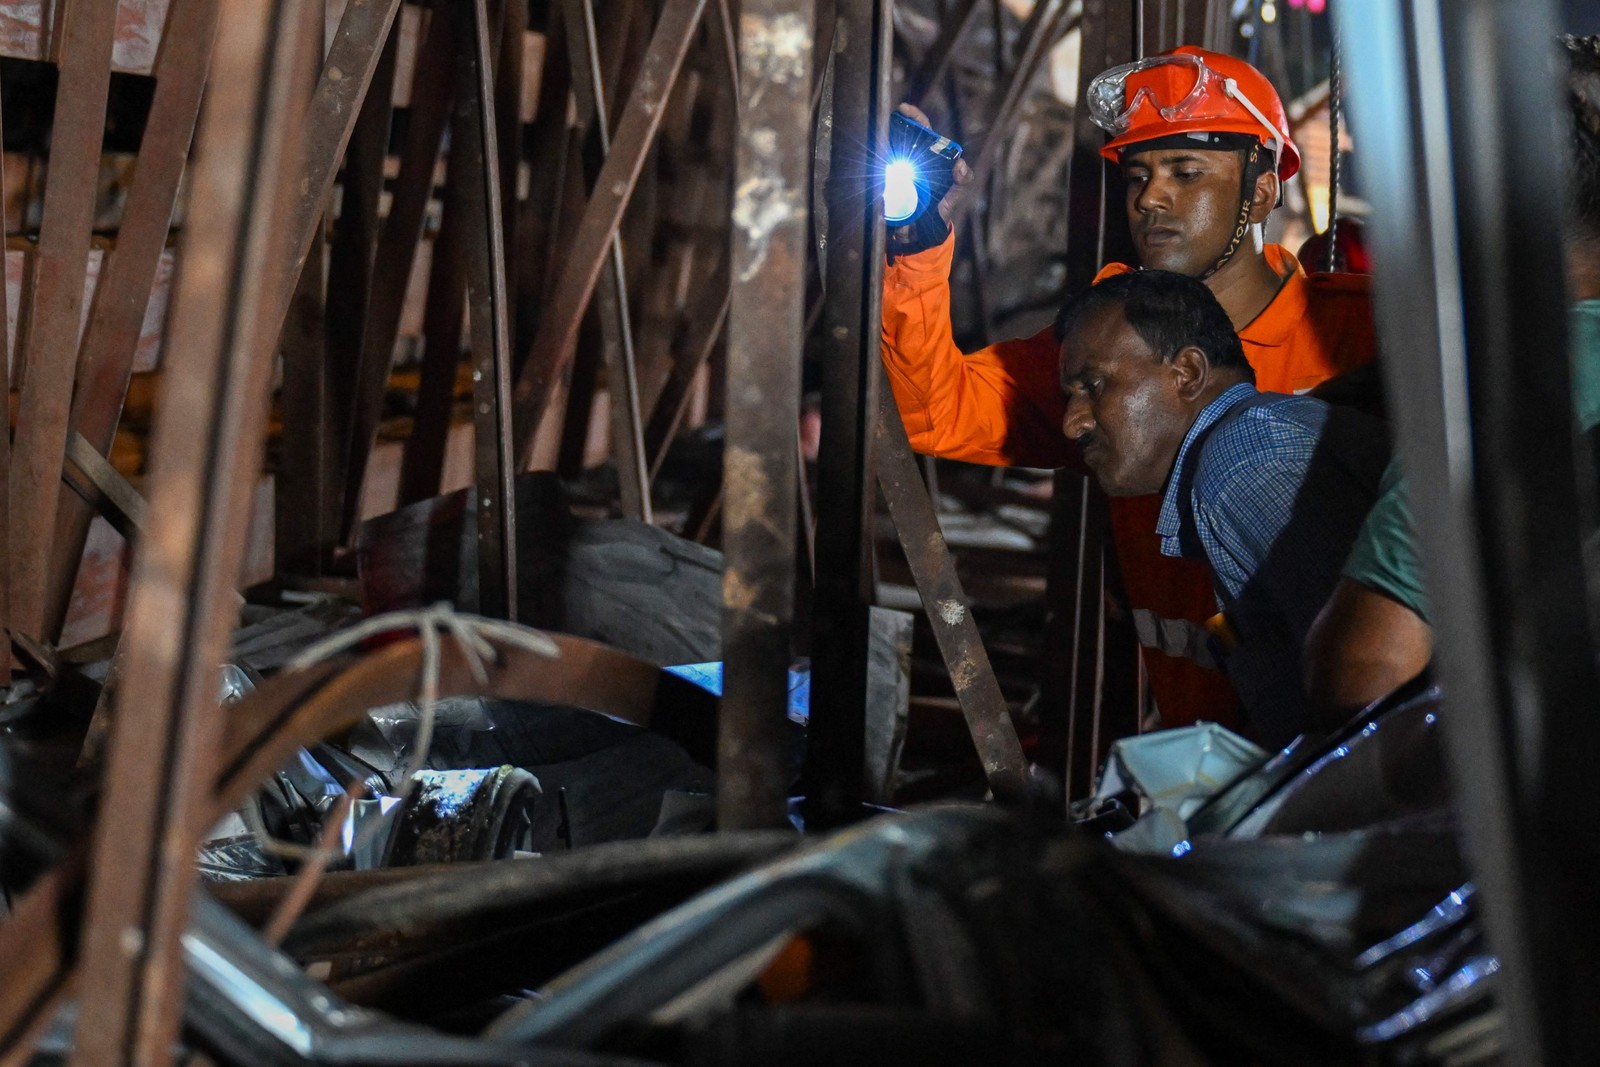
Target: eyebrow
{"type": "Point", "coordinates": [1163, 158]}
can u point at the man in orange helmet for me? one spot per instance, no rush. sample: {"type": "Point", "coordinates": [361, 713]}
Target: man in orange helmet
{"type": "Point", "coordinates": [1203, 141]}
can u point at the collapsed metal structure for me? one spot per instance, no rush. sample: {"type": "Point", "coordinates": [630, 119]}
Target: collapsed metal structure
{"type": "Point", "coordinates": [638, 200]}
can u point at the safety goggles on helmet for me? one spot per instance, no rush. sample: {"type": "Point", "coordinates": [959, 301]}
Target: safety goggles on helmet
{"type": "Point", "coordinates": [1179, 87]}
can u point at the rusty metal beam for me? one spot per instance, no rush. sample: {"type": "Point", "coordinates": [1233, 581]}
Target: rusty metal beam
{"type": "Point", "coordinates": [39, 940]}
{"type": "Point", "coordinates": [352, 261]}
{"type": "Point", "coordinates": [205, 458]}
{"type": "Point", "coordinates": [346, 75]}
{"type": "Point", "coordinates": [508, 78]}
{"type": "Point", "coordinates": [627, 433]}
{"type": "Point", "coordinates": [548, 142]}
{"type": "Point", "coordinates": [5, 456]}
{"type": "Point", "coordinates": [484, 257]}
{"type": "Point", "coordinates": [305, 493]}
{"type": "Point", "coordinates": [703, 330]}
{"type": "Point", "coordinates": [1074, 659]}
{"type": "Point", "coordinates": [128, 275]}
{"type": "Point", "coordinates": [932, 566]}
{"type": "Point", "coordinates": [937, 59]}
{"type": "Point", "coordinates": [305, 497]}
{"type": "Point", "coordinates": [422, 465]}
{"type": "Point", "coordinates": [98, 483]}
{"type": "Point", "coordinates": [765, 343]}
{"type": "Point", "coordinates": [47, 360]}
{"type": "Point", "coordinates": [551, 352]}
{"type": "Point", "coordinates": [1050, 19]}
{"type": "Point", "coordinates": [852, 314]}
{"type": "Point", "coordinates": [431, 95]}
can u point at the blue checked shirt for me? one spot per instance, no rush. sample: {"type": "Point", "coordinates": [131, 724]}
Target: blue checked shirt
{"type": "Point", "coordinates": [1271, 490]}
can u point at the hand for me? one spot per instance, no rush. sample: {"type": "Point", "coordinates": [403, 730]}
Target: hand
{"type": "Point", "coordinates": [961, 172]}
{"type": "Point", "coordinates": [905, 239]}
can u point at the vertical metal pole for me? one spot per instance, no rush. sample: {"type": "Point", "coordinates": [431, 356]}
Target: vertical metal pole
{"type": "Point", "coordinates": [1459, 114]}
{"type": "Point", "coordinates": [765, 341]}
{"type": "Point", "coordinates": [422, 468]}
{"type": "Point", "coordinates": [352, 376]}
{"type": "Point", "coordinates": [1078, 522]}
{"type": "Point", "coordinates": [611, 296]}
{"type": "Point", "coordinates": [396, 253]}
{"type": "Point", "coordinates": [494, 494]}
{"type": "Point", "coordinates": [851, 314]}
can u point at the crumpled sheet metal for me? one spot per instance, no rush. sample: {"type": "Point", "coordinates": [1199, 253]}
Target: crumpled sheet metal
{"type": "Point", "coordinates": [1367, 933]}
{"type": "Point", "coordinates": [1329, 933]}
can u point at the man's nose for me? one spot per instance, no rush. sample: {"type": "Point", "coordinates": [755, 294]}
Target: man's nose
{"type": "Point", "coordinates": [1153, 195]}
{"type": "Point", "coordinates": [1079, 420]}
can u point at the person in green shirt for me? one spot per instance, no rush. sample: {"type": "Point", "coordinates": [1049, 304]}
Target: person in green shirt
{"type": "Point", "coordinates": [1373, 636]}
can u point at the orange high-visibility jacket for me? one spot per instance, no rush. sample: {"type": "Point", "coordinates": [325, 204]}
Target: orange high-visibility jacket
{"type": "Point", "coordinates": [1003, 405]}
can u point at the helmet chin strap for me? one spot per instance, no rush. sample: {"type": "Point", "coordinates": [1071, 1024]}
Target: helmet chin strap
{"type": "Point", "coordinates": [1241, 224]}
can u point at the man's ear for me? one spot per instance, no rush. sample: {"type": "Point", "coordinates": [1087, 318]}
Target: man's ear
{"type": "Point", "coordinates": [1265, 196]}
{"type": "Point", "coordinates": [1191, 370]}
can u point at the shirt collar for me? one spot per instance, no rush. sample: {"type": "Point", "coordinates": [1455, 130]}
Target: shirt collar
{"type": "Point", "coordinates": [1275, 323]}
{"type": "Point", "coordinates": [1175, 525]}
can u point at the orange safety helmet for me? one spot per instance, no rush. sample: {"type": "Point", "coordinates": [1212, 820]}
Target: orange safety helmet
{"type": "Point", "coordinates": [1190, 90]}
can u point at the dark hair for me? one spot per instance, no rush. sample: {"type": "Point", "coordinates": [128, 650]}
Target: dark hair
{"type": "Point", "coordinates": [1168, 311]}
{"type": "Point", "coordinates": [1583, 100]}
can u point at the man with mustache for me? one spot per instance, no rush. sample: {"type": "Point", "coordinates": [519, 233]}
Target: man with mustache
{"type": "Point", "coordinates": [1203, 141]}
{"type": "Point", "coordinates": [1269, 490]}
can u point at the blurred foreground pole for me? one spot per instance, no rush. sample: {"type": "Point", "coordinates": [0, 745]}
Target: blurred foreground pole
{"type": "Point", "coordinates": [1460, 117]}
{"type": "Point", "coordinates": [205, 458]}
{"type": "Point", "coordinates": [765, 340]}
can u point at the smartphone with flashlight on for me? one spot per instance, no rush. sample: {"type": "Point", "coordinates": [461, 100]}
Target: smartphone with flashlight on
{"type": "Point", "coordinates": [919, 171]}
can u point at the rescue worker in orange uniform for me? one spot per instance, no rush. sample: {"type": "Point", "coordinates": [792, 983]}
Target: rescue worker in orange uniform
{"type": "Point", "coordinates": [1203, 142]}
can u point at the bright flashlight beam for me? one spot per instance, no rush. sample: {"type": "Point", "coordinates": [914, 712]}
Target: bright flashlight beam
{"type": "Point", "coordinates": [899, 190]}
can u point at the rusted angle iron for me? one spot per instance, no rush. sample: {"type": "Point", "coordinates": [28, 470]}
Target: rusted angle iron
{"type": "Point", "coordinates": [937, 59]}
{"type": "Point", "coordinates": [766, 336]}
{"type": "Point", "coordinates": [347, 74]}
{"type": "Point", "coordinates": [484, 260]}
{"type": "Point", "coordinates": [432, 94]}
{"type": "Point", "coordinates": [551, 351]}
{"type": "Point", "coordinates": [1044, 27]}
{"type": "Point", "coordinates": [851, 324]}
{"type": "Point", "coordinates": [354, 281]}
{"type": "Point", "coordinates": [422, 463]}
{"type": "Point", "coordinates": [982, 703]}
{"type": "Point", "coordinates": [47, 353]}
{"type": "Point", "coordinates": [612, 302]}
{"type": "Point", "coordinates": [127, 278]}
{"type": "Point", "coordinates": [5, 454]}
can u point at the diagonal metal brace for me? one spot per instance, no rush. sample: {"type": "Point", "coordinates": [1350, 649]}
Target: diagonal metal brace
{"type": "Point", "coordinates": [934, 569]}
